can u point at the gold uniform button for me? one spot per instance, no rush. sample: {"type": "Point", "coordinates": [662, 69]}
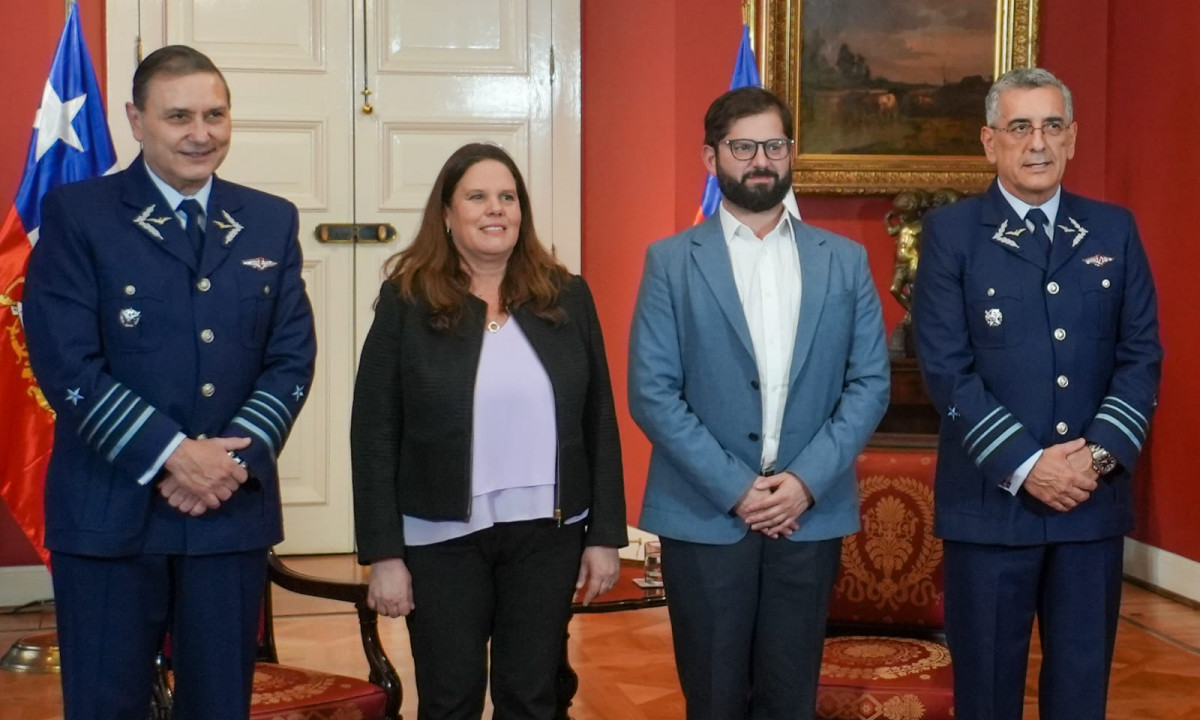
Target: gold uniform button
{"type": "Point", "coordinates": [207, 390]}
{"type": "Point", "coordinates": [1061, 428]}
{"type": "Point", "coordinates": [1062, 381]}
{"type": "Point", "coordinates": [1052, 288]}
{"type": "Point", "coordinates": [204, 284]}
{"type": "Point", "coordinates": [206, 335]}
{"type": "Point", "coordinates": [129, 289]}
{"type": "Point", "coordinates": [1060, 334]}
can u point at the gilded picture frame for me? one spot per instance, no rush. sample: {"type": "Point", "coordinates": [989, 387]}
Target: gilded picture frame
{"type": "Point", "coordinates": [863, 133]}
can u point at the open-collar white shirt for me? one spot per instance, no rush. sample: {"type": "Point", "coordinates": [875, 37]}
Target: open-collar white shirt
{"type": "Point", "coordinates": [767, 275]}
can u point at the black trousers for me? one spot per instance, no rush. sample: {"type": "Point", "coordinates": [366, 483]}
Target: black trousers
{"type": "Point", "coordinates": [511, 583]}
{"type": "Point", "coordinates": [112, 616]}
{"type": "Point", "coordinates": [748, 620]}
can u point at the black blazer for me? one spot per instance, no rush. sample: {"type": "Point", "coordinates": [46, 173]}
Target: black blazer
{"type": "Point", "coordinates": [410, 430]}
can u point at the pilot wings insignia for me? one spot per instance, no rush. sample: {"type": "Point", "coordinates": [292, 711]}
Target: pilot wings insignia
{"type": "Point", "coordinates": [143, 221]}
{"type": "Point", "coordinates": [230, 226]}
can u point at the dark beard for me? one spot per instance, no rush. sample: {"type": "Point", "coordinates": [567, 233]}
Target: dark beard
{"type": "Point", "coordinates": [753, 199]}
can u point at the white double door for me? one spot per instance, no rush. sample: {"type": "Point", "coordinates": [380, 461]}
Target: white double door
{"type": "Point", "coordinates": [440, 73]}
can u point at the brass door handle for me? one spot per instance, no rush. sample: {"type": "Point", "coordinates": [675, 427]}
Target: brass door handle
{"type": "Point", "coordinates": [348, 233]}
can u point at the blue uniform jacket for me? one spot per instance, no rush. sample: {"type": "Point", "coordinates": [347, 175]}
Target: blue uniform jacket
{"type": "Point", "coordinates": [1020, 353]}
{"type": "Point", "coordinates": [694, 386]}
{"type": "Point", "coordinates": [132, 341]}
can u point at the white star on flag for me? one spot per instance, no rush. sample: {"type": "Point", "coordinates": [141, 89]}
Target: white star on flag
{"type": "Point", "coordinates": [53, 121]}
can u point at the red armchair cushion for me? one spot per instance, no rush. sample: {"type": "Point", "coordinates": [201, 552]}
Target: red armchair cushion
{"type": "Point", "coordinates": [892, 571]}
{"type": "Point", "coordinates": [282, 692]}
{"type": "Point", "coordinates": [885, 678]}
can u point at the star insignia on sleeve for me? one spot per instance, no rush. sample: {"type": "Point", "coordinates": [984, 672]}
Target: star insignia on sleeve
{"type": "Point", "coordinates": [73, 396]}
{"type": "Point", "coordinates": [952, 413]}
{"type": "Point", "coordinates": [298, 393]}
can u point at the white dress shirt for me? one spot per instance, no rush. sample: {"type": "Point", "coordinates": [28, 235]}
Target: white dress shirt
{"type": "Point", "coordinates": [767, 275]}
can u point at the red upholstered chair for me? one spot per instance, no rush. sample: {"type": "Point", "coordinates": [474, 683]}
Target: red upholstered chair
{"type": "Point", "coordinates": [283, 692]}
{"type": "Point", "coordinates": [885, 654]}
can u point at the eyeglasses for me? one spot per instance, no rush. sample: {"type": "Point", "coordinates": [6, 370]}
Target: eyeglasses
{"type": "Point", "coordinates": [774, 149]}
{"type": "Point", "coordinates": [1023, 129]}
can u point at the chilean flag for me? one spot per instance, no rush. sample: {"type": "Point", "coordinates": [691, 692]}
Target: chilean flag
{"type": "Point", "coordinates": [70, 142]}
{"type": "Point", "coordinates": [745, 73]}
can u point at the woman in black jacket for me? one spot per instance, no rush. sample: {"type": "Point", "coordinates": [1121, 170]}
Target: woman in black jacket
{"type": "Point", "coordinates": [487, 465]}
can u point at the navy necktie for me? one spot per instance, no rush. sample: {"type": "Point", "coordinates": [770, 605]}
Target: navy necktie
{"type": "Point", "coordinates": [1039, 220]}
{"type": "Point", "coordinates": [194, 212]}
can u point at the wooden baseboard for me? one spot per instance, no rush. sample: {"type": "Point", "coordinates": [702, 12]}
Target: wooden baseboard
{"type": "Point", "coordinates": [1162, 572]}
{"type": "Point", "coordinates": [21, 584]}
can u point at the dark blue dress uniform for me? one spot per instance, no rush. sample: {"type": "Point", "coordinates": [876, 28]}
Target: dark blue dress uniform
{"type": "Point", "coordinates": [1020, 351]}
{"type": "Point", "coordinates": [134, 339]}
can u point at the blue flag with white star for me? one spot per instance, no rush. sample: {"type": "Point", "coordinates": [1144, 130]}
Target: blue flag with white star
{"type": "Point", "coordinates": [70, 142]}
{"type": "Point", "coordinates": [70, 131]}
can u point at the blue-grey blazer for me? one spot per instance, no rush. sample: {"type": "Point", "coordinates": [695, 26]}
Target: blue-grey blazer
{"type": "Point", "coordinates": [693, 385]}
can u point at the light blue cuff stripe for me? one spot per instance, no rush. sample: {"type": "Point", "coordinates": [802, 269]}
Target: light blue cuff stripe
{"type": "Point", "coordinates": [983, 436]}
{"type": "Point", "coordinates": [979, 424]}
{"type": "Point", "coordinates": [282, 405]}
{"type": "Point", "coordinates": [998, 442]}
{"type": "Point", "coordinates": [99, 404]}
{"type": "Point", "coordinates": [266, 425]}
{"type": "Point", "coordinates": [116, 403]}
{"type": "Point", "coordinates": [1120, 426]}
{"type": "Point", "coordinates": [1130, 408]}
{"type": "Point", "coordinates": [257, 433]}
{"type": "Point", "coordinates": [137, 425]}
{"type": "Point", "coordinates": [112, 426]}
{"type": "Point", "coordinates": [1133, 424]}
{"type": "Point", "coordinates": [278, 422]}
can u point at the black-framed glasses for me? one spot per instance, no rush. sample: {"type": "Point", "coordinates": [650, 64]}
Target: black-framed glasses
{"type": "Point", "coordinates": [1024, 128]}
{"type": "Point", "coordinates": [774, 149]}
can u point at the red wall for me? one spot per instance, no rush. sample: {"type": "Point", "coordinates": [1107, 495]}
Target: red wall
{"type": "Point", "coordinates": [1153, 160]}
{"type": "Point", "coordinates": [650, 70]}
{"type": "Point", "coordinates": [28, 38]}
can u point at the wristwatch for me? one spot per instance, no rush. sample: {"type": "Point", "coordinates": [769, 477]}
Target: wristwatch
{"type": "Point", "coordinates": [1103, 461]}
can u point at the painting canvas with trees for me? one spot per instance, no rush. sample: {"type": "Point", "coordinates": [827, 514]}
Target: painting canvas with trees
{"type": "Point", "coordinates": [879, 77]}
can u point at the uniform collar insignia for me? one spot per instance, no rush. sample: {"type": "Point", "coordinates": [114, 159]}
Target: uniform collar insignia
{"type": "Point", "coordinates": [230, 226]}
{"type": "Point", "coordinates": [1079, 231]}
{"type": "Point", "coordinates": [259, 263]}
{"type": "Point", "coordinates": [143, 221]}
{"type": "Point", "coordinates": [1000, 236]}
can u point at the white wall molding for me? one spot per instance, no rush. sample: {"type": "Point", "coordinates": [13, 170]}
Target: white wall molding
{"type": "Point", "coordinates": [20, 584]}
{"type": "Point", "coordinates": [1162, 569]}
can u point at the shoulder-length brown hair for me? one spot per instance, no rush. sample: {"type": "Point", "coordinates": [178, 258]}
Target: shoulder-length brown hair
{"type": "Point", "coordinates": [431, 271]}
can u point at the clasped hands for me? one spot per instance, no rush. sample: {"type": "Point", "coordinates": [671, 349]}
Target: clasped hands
{"type": "Point", "coordinates": [1062, 477]}
{"type": "Point", "coordinates": [774, 503]}
{"type": "Point", "coordinates": [201, 474]}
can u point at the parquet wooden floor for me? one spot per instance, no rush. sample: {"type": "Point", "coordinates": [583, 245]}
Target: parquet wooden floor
{"type": "Point", "coordinates": [626, 665]}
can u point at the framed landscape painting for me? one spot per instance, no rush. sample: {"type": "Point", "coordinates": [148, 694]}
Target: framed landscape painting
{"type": "Point", "coordinates": [889, 95]}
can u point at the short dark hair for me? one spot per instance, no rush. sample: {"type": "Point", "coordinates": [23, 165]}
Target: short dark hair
{"type": "Point", "coordinates": [739, 103]}
{"type": "Point", "coordinates": [172, 61]}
